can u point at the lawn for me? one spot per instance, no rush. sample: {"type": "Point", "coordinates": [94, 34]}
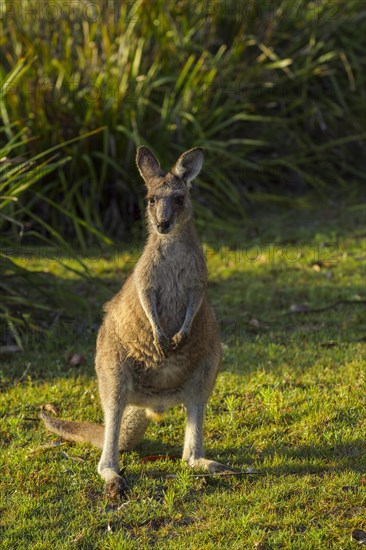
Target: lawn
{"type": "Point", "coordinates": [289, 293]}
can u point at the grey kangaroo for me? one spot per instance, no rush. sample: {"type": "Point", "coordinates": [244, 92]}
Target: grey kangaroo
{"type": "Point", "coordinates": [159, 343]}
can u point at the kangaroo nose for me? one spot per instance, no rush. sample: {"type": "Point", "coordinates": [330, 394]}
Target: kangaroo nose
{"type": "Point", "coordinates": [163, 225]}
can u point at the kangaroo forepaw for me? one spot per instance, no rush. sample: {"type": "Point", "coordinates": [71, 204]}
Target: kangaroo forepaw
{"type": "Point", "coordinates": [178, 340]}
{"type": "Point", "coordinates": [162, 345]}
{"type": "Point", "coordinates": [116, 488]}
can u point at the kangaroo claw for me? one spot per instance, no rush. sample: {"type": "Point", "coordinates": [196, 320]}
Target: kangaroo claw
{"type": "Point", "coordinates": [116, 488]}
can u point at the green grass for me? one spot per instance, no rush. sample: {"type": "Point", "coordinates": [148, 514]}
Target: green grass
{"type": "Point", "coordinates": [290, 402]}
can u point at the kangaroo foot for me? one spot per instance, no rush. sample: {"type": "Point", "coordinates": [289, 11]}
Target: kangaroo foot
{"type": "Point", "coordinates": [116, 488]}
{"type": "Point", "coordinates": [210, 466]}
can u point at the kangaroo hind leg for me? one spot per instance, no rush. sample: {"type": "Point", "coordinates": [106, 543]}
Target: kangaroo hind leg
{"type": "Point", "coordinates": [133, 427]}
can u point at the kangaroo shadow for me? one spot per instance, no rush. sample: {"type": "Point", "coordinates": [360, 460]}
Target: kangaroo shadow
{"type": "Point", "coordinates": [300, 459]}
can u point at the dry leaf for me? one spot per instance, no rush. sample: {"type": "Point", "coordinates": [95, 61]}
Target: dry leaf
{"type": "Point", "coordinates": [154, 458]}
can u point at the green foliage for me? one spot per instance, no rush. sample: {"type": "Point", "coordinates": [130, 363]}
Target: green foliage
{"type": "Point", "coordinates": [275, 92]}
{"type": "Point", "coordinates": [25, 294]}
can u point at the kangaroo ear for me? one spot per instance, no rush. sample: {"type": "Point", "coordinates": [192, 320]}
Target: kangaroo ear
{"type": "Point", "coordinates": [147, 164]}
{"type": "Point", "coordinates": [189, 164]}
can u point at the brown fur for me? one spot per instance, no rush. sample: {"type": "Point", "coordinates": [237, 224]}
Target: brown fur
{"type": "Point", "coordinates": [159, 342]}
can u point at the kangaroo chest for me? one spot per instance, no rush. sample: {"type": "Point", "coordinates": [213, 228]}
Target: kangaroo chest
{"type": "Point", "coordinates": [172, 286]}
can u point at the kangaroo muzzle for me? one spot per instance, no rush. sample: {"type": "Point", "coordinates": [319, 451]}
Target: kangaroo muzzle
{"type": "Point", "coordinates": [164, 226]}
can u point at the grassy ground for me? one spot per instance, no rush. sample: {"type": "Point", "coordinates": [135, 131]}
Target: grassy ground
{"type": "Point", "coordinates": [290, 402]}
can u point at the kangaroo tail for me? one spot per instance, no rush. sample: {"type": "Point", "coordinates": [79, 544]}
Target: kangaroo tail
{"type": "Point", "coordinates": [75, 431]}
{"type": "Point", "coordinates": [133, 426]}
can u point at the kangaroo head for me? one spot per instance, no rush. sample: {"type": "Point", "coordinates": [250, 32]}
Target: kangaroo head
{"type": "Point", "coordinates": [168, 203]}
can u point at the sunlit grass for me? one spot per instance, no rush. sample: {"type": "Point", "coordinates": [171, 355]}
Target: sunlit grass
{"type": "Point", "coordinates": [289, 402]}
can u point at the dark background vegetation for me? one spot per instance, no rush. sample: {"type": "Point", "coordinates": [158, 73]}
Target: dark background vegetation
{"type": "Point", "coordinates": [274, 91]}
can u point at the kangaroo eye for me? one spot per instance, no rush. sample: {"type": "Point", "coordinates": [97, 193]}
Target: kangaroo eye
{"type": "Point", "coordinates": [151, 200]}
{"type": "Point", "coordinates": [179, 200]}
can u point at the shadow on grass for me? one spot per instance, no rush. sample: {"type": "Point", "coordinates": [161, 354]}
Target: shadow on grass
{"type": "Point", "coordinates": [250, 308]}
{"type": "Point", "coordinates": [318, 459]}
{"type": "Point", "coordinates": [303, 460]}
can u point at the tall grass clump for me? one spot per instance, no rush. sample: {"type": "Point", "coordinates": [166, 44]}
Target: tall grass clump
{"type": "Point", "coordinates": [275, 92]}
{"type": "Point", "coordinates": [26, 295]}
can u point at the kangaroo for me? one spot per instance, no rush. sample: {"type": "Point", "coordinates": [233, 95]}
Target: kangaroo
{"type": "Point", "coordinates": [159, 343]}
